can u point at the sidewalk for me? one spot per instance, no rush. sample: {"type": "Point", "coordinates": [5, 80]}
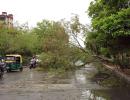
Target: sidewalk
{"type": "Point", "coordinates": [125, 75]}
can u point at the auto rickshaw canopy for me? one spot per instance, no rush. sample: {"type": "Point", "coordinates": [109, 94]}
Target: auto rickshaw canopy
{"type": "Point", "coordinates": [15, 56]}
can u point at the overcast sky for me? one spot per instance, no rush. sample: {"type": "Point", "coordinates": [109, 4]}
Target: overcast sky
{"type": "Point", "coordinates": [33, 11]}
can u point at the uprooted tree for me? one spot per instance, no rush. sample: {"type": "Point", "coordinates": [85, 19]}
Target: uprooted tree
{"type": "Point", "coordinates": [59, 50]}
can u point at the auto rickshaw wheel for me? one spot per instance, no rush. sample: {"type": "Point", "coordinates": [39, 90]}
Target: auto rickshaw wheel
{"type": "Point", "coordinates": [21, 69]}
{"type": "Point", "coordinates": [8, 70]}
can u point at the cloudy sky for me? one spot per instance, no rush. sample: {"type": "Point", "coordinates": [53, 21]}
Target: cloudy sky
{"type": "Point", "coordinates": [33, 11]}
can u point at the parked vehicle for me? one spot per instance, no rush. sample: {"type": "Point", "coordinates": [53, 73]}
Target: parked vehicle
{"type": "Point", "coordinates": [13, 62]}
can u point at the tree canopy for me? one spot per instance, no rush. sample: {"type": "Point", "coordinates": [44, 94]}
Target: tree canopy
{"type": "Point", "coordinates": [110, 27]}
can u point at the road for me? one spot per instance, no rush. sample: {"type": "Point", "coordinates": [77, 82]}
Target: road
{"type": "Point", "coordinates": [34, 85]}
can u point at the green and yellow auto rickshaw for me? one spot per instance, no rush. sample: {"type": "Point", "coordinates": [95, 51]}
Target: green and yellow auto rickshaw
{"type": "Point", "coordinates": [13, 62]}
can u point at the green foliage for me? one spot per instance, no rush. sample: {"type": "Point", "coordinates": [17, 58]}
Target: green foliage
{"type": "Point", "coordinates": [105, 51]}
{"type": "Point", "coordinates": [50, 39]}
{"type": "Point", "coordinates": [18, 41]}
{"type": "Point", "coordinates": [55, 48]}
{"type": "Point", "coordinates": [91, 42]}
{"type": "Point", "coordinates": [75, 24]}
{"type": "Point", "coordinates": [4, 42]}
{"type": "Point", "coordinates": [111, 28]}
{"type": "Point", "coordinates": [115, 25]}
{"type": "Point", "coordinates": [57, 53]}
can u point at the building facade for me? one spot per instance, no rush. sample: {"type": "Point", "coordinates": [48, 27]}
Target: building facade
{"type": "Point", "coordinates": [6, 20]}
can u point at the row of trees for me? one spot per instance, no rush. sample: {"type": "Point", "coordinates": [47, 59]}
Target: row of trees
{"type": "Point", "coordinates": [110, 35]}
{"type": "Point", "coordinates": [17, 41]}
{"type": "Point", "coordinates": [55, 42]}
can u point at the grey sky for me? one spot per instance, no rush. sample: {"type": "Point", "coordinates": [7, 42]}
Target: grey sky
{"type": "Point", "coordinates": [33, 11]}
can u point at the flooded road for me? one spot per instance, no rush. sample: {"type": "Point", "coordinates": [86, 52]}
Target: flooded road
{"type": "Point", "coordinates": [78, 85]}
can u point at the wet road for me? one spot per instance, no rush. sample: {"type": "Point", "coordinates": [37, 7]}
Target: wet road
{"type": "Point", "coordinates": [33, 85]}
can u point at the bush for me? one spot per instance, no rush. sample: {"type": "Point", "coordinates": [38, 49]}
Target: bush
{"type": "Point", "coordinates": [105, 52]}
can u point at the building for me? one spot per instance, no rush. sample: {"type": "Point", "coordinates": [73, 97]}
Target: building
{"type": "Point", "coordinates": [6, 20]}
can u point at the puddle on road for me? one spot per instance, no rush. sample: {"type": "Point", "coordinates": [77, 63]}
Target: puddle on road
{"type": "Point", "coordinates": [107, 87]}
{"type": "Point", "coordinates": [90, 95]}
{"type": "Point", "coordinates": [109, 94]}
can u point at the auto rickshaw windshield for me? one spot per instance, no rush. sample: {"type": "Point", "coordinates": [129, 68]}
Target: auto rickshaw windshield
{"type": "Point", "coordinates": [13, 58]}
{"type": "Point", "coordinates": [10, 58]}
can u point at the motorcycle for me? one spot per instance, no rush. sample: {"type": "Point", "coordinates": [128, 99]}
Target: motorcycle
{"type": "Point", "coordinates": [32, 63]}
{"type": "Point", "coordinates": [1, 73]}
{"type": "Point", "coordinates": [2, 68]}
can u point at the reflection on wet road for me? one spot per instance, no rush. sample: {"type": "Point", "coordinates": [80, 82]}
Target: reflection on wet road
{"type": "Point", "coordinates": [33, 85]}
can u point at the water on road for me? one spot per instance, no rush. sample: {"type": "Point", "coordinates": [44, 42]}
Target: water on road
{"type": "Point", "coordinates": [78, 85]}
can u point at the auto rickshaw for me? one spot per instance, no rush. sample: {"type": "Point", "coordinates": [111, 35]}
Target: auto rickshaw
{"type": "Point", "coordinates": [13, 62]}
